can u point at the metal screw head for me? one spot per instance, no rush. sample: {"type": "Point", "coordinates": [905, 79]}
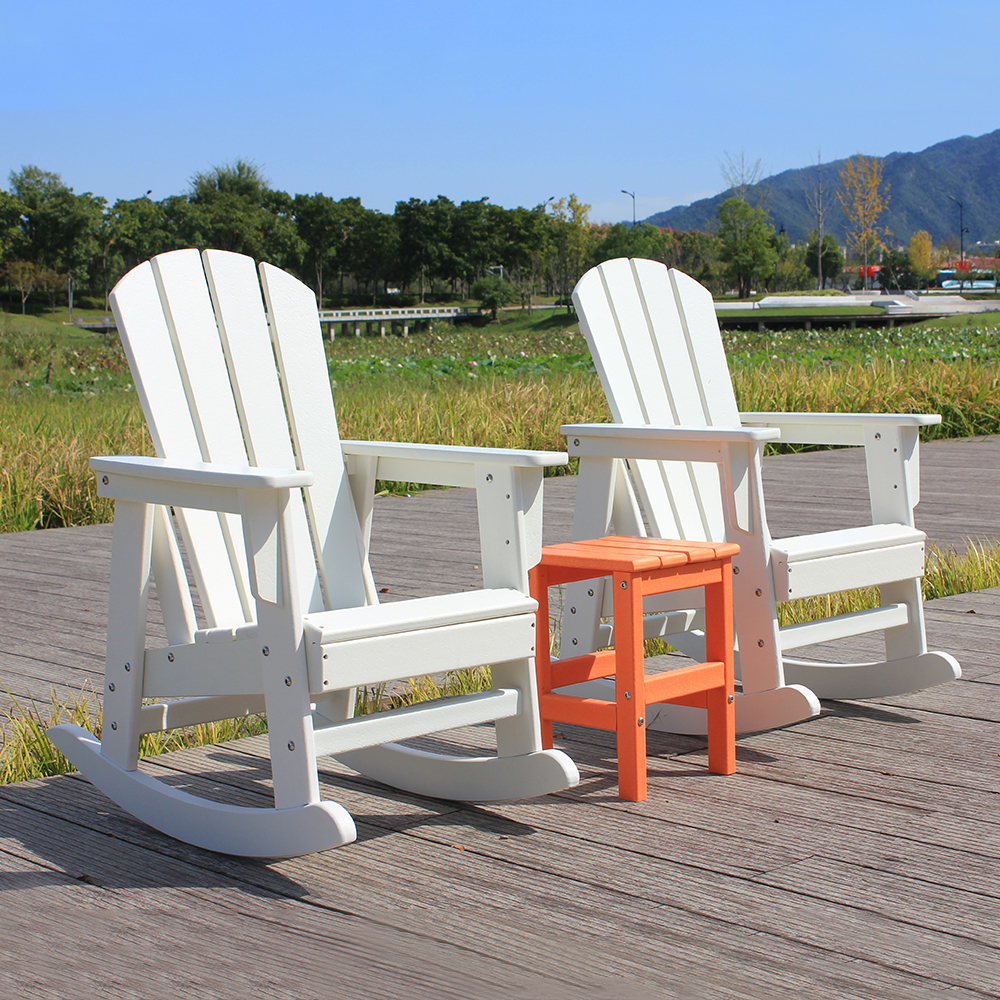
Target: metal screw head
{"type": "Point", "coordinates": [291, 744]}
{"type": "Point", "coordinates": [736, 571]}
{"type": "Point", "coordinates": [128, 667]}
{"type": "Point", "coordinates": [640, 721]}
{"type": "Point", "coordinates": [114, 725]}
{"type": "Point", "coordinates": [758, 591]}
{"type": "Point", "coordinates": [111, 686]}
{"type": "Point", "coordinates": [288, 682]}
{"type": "Point", "coordinates": [576, 641]}
{"type": "Point", "coordinates": [576, 442]}
{"type": "Point", "coordinates": [489, 477]}
{"type": "Point", "coordinates": [731, 699]}
{"type": "Point", "coordinates": [572, 611]}
{"type": "Point", "coordinates": [624, 584]}
{"type": "Point", "coordinates": [760, 642]}
{"type": "Point", "coordinates": [266, 651]}
{"type": "Point", "coordinates": [170, 657]}
{"type": "Point", "coordinates": [104, 479]}
{"type": "Point", "coordinates": [878, 437]}
{"type": "Point", "coordinates": [628, 695]}
{"type": "Point", "coordinates": [590, 593]}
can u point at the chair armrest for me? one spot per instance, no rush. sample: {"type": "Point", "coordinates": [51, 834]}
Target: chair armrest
{"type": "Point", "coordinates": [200, 484]}
{"type": "Point", "coordinates": [685, 444]}
{"type": "Point", "coordinates": [508, 486]}
{"type": "Point", "coordinates": [442, 465]}
{"type": "Point", "coordinates": [835, 428]}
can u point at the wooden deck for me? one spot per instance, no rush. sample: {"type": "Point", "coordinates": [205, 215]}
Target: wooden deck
{"type": "Point", "coordinates": [856, 855]}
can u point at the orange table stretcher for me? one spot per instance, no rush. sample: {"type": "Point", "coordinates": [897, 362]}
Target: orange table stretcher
{"type": "Point", "coordinates": [640, 567]}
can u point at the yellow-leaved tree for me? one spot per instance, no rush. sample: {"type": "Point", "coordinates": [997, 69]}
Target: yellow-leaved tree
{"type": "Point", "coordinates": [921, 255]}
{"type": "Point", "coordinates": [864, 200]}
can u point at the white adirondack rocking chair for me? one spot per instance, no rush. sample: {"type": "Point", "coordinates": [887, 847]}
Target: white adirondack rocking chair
{"type": "Point", "coordinates": [293, 621]}
{"type": "Point", "coordinates": [655, 340]}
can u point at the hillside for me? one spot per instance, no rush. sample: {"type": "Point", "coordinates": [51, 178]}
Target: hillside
{"type": "Point", "coordinates": [967, 168]}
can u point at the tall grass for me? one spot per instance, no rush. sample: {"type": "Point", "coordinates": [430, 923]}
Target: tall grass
{"type": "Point", "coordinates": [26, 751]}
{"type": "Point", "coordinates": [46, 442]}
{"type": "Point", "coordinates": [966, 393]}
{"type": "Point", "coordinates": [495, 412]}
{"type": "Point", "coordinates": [47, 438]}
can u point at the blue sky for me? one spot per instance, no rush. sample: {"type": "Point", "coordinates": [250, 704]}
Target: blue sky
{"type": "Point", "coordinates": [517, 101]}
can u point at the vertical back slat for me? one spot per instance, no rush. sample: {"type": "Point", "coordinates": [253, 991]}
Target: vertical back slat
{"type": "Point", "coordinates": [298, 345]}
{"type": "Point", "coordinates": [239, 311]}
{"type": "Point", "coordinates": [693, 368]}
{"type": "Point", "coordinates": [145, 336]}
{"type": "Point", "coordinates": [647, 329]}
{"type": "Point", "coordinates": [190, 317]}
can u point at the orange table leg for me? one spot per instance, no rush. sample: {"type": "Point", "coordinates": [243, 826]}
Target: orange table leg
{"type": "Point", "coordinates": [719, 647]}
{"type": "Point", "coordinates": [630, 688]}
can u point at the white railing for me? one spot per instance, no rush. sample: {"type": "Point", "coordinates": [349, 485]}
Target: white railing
{"type": "Point", "coordinates": [355, 317]}
{"type": "Point", "coordinates": [372, 315]}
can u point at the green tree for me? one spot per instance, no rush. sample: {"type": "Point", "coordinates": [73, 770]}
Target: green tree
{"type": "Point", "coordinates": [569, 245]}
{"type": "Point", "coordinates": [22, 275]}
{"type": "Point", "coordinates": [493, 293]}
{"type": "Point", "coordinates": [10, 224]}
{"type": "Point", "coordinates": [747, 251]}
{"type": "Point", "coordinates": [424, 238]}
{"type": "Point", "coordinates": [324, 225]}
{"type": "Point", "coordinates": [528, 236]}
{"type": "Point", "coordinates": [895, 271]}
{"type": "Point", "coordinates": [828, 265]}
{"type": "Point", "coordinates": [131, 231]}
{"type": "Point", "coordinates": [477, 239]}
{"type": "Point", "coordinates": [231, 207]}
{"type": "Point", "coordinates": [644, 240]}
{"type": "Point", "coordinates": [697, 255]}
{"type": "Point", "coordinates": [373, 249]}
{"type": "Point", "coordinates": [57, 228]}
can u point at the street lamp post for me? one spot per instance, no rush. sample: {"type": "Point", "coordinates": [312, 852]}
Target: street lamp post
{"type": "Point", "coordinates": [961, 241]}
{"type": "Point", "coordinates": [631, 194]}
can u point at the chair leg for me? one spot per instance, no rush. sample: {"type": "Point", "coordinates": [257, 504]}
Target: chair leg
{"type": "Point", "coordinates": [127, 602]}
{"type": "Point", "coordinates": [908, 639]}
{"type": "Point", "coordinates": [519, 734]}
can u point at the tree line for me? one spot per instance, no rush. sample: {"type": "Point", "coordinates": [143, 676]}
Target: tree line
{"type": "Point", "coordinates": [53, 241]}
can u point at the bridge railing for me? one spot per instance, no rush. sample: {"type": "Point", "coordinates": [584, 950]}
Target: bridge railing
{"type": "Point", "coordinates": [348, 318]}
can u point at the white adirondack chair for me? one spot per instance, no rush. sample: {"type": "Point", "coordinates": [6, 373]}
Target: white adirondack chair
{"type": "Point", "coordinates": [293, 621]}
{"type": "Point", "coordinates": [655, 340]}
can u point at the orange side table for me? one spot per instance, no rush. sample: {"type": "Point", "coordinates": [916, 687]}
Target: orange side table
{"type": "Point", "coordinates": [639, 567]}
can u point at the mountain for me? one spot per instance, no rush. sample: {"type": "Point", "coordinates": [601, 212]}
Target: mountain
{"type": "Point", "coordinates": [919, 187]}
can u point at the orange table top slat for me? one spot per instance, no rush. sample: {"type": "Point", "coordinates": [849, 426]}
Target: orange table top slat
{"type": "Point", "coordinates": [618, 553]}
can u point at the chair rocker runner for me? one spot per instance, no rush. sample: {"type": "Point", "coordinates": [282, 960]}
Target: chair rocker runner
{"type": "Point", "coordinates": [275, 512]}
{"type": "Point", "coordinates": [655, 340]}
